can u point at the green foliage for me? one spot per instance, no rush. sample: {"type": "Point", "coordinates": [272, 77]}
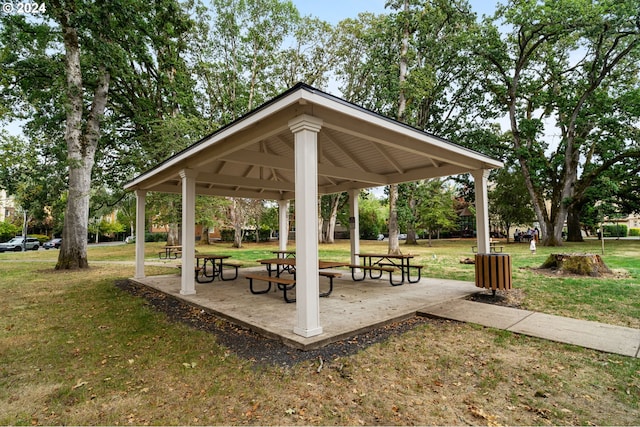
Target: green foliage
{"type": "Point", "coordinates": [427, 205]}
{"type": "Point", "coordinates": [442, 90]}
{"type": "Point", "coordinates": [617, 230]}
{"type": "Point", "coordinates": [270, 217]}
{"type": "Point", "coordinates": [31, 173]}
{"type": "Point", "coordinates": [8, 230]}
{"type": "Point", "coordinates": [155, 237]}
{"type": "Point", "coordinates": [373, 216]}
{"type": "Point", "coordinates": [509, 201]}
{"type": "Point", "coordinates": [41, 237]}
{"type": "Point", "coordinates": [227, 234]}
{"type": "Point", "coordinates": [634, 232]}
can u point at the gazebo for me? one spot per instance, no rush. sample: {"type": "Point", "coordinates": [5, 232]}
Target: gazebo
{"type": "Point", "coordinates": [299, 145]}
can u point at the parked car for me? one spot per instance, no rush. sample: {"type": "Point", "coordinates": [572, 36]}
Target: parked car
{"type": "Point", "coordinates": [17, 243]}
{"type": "Point", "coordinates": [52, 244]}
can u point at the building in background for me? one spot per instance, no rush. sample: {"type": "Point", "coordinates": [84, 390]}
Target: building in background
{"type": "Point", "coordinates": [7, 207]}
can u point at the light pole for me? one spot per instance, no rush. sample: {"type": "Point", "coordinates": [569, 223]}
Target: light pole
{"type": "Point", "coordinates": [24, 232]}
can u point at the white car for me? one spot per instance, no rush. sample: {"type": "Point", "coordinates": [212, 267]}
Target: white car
{"type": "Point", "coordinates": [17, 244]}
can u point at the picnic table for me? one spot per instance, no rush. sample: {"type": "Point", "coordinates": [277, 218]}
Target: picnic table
{"type": "Point", "coordinates": [381, 263]}
{"type": "Point", "coordinates": [205, 275]}
{"type": "Point", "coordinates": [279, 265]}
{"type": "Point", "coordinates": [493, 247]}
{"type": "Point", "coordinates": [285, 254]}
{"type": "Point", "coordinates": [170, 252]}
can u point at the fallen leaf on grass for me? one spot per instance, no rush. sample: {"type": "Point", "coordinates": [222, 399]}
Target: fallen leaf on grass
{"type": "Point", "coordinates": [491, 420]}
{"type": "Point", "coordinates": [79, 384]}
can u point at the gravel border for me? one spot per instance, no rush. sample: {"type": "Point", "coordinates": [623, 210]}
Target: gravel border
{"type": "Point", "coordinates": [257, 348]}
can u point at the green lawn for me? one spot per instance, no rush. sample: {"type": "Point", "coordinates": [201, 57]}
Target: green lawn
{"type": "Point", "coordinates": [74, 349]}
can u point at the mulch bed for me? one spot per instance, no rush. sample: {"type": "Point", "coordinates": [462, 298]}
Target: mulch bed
{"type": "Point", "coordinates": [252, 346]}
{"type": "Point", "coordinates": [511, 298]}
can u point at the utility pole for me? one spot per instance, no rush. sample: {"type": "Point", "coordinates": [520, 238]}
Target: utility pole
{"type": "Point", "coordinates": [24, 232]}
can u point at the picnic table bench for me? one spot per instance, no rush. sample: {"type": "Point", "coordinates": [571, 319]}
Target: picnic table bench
{"type": "Point", "coordinates": [286, 284]}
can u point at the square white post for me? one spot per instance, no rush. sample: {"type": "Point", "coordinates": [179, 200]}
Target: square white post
{"type": "Point", "coordinates": [354, 226]}
{"type": "Point", "coordinates": [283, 224]}
{"type": "Point", "coordinates": [480, 179]}
{"type": "Point", "coordinates": [305, 129]}
{"type": "Point", "coordinates": [141, 228]}
{"type": "Point", "coordinates": [188, 285]}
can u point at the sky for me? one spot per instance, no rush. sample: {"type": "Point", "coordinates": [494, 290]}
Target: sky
{"type": "Point", "coordinates": [334, 11]}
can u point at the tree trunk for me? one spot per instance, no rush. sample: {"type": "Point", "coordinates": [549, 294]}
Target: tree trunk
{"type": "Point", "coordinates": [333, 219]}
{"type": "Point", "coordinates": [574, 231]}
{"type": "Point", "coordinates": [394, 246]}
{"type": "Point", "coordinates": [411, 228]}
{"type": "Point", "coordinates": [237, 237]}
{"type": "Point", "coordinates": [411, 236]}
{"type": "Point", "coordinates": [321, 234]}
{"type": "Point", "coordinates": [173, 234]}
{"type": "Point", "coordinates": [81, 149]}
{"type": "Point", "coordinates": [237, 219]}
{"type": "Point", "coordinates": [204, 236]}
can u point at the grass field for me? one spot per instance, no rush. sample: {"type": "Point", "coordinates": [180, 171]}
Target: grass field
{"type": "Point", "coordinates": [74, 349]}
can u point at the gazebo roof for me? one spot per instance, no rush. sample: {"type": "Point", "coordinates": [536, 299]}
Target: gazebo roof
{"type": "Point", "coordinates": [253, 157]}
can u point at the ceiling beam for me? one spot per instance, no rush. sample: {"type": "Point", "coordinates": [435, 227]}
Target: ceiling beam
{"type": "Point", "coordinates": [279, 162]}
{"type": "Point", "coordinates": [233, 181]}
{"type": "Point", "coordinates": [228, 192]}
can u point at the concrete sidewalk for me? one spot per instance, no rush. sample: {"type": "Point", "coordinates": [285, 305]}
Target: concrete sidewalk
{"type": "Point", "coordinates": [583, 333]}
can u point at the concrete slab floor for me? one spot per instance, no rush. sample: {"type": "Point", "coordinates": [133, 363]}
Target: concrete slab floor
{"type": "Point", "coordinates": [352, 308]}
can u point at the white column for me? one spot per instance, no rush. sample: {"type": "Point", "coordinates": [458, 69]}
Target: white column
{"type": "Point", "coordinates": [480, 178]}
{"type": "Point", "coordinates": [141, 228]}
{"type": "Point", "coordinates": [354, 225]}
{"type": "Point", "coordinates": [283, 224]}
{"type": "Point", "coordinates": [305, 129]}
{"type": "Point", "coordinates": [188, 285]}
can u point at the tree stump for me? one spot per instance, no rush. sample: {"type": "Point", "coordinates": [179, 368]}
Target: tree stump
{"type": "Point", "coordinates": [582, 264]}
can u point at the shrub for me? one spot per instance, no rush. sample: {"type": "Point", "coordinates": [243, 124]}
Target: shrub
{"type": "Point", "coordinates": [155, 237]}
{"type": "Point", "coordinates": [226, 234]}
{"type": "Point", "coordinates": [41, 238]}
{"type": "Point", "coordinates": [615, 231]}
{"type": "Point", "coordinates": [7, 231]}
{"type": "Point", "coordinates": [635, 232]}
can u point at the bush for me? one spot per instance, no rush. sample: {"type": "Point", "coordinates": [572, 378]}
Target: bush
{"type": "Point", "coordinates": [615, 231]}
{"type": "Point", "coordinates": [155, 237]}
{"type": "Point", "coordinates": [7, 231]}
{"type": "Point", "coordinates": [226, 234]}
{"type": "Point", "coordinates": [635, 232]}
{"type": "Point", "coordinates": [41, 238]}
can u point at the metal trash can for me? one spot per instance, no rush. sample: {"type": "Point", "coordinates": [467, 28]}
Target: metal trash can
{"type": "Point", "coordinates": [493, 271]}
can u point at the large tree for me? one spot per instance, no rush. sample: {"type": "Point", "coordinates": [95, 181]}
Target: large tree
{"type": "Point", "coordinates": [412, 64]}
{"type": "Point", "coordinates": [564, 68]}
{"type": "Point", "coordinates": [68, 69]}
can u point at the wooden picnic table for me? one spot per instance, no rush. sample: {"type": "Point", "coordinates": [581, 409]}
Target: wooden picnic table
{"type": "Point", "coordinates": [382, 262]}
{"type": "Point", "coordinates": [170, 252]}
{"type": "Point", "coordinates": [202, 274]}
{"type": "Point", "coordinates": [285, 254]}
{"type": "Point", "coordinates": [285, 284]}
{"type": "Point", "coordinates": [288, 264]}
{"type": "Point", "coordinates": [494, 247]}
